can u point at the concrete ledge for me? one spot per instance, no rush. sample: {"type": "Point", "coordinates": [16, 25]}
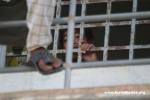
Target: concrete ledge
{"type": "Point", "coordinates": [121, 92]}
{"type": "Point", "coordinates": [80, 78]}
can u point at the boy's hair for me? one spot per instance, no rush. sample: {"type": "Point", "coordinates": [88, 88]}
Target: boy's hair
{"type": "Point", "coordinates": [88, 35]}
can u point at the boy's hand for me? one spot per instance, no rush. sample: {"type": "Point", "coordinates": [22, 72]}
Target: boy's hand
{"type": "Point", "coordinates": [86, 47]}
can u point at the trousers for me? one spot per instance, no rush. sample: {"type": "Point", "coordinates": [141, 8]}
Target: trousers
{"type": "Point", "coordinates": [40, 14]}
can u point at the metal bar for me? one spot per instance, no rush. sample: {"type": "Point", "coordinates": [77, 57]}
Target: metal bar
{"type": "Point", "coordinates": [123, 16]}
{"type": "Point", "coordinates": [55, 41]}
{"type": "Point", "coordinates": [70, 38]}
{"type": "Point", "coordinates": [92, 18]}
{"type": "Point", "coordinates": [107, 32]}
{"type": "Point", "coordinates": [102, 24]}
{"type": "Point", "coordinates": [110, 48]}
{"type": "Point", "coordinates": [58, 10]}
{"type": "Point", "coordinates": [83, 11]}
{"type": "Point", "coordinates": [95, 49]}
{"type": "Point", "coordinates": [92, 1]}
{"type": "Point", "coordinates": [141, 46]}
{"type": "Point", "coordinates": [16, 69]}
{"type": "Point", "coordinates": [56, 32]}
{"type": "Point", "coordinates": [95, 18]}
{"type": "Point", "coordinates": [99, 64]}
{"type": "Point", "coordinates": [132, 36]}
{"type": "Point", "coordinates": [3, 49]}
{"type": "Point", "coordinates": [4, 24]}
{"type": "Point", "coordinates": [110, 63]}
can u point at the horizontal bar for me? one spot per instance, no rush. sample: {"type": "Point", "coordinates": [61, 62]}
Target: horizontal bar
{"type": "Point", "coordinates": [111, 63]}
{"type": "Point", "coordinates": [95, 18]}
{"type": "Point", "coordinates": [102, 24]}
{"type": "Point", "coordinates": [141, 46]}
{"type": "Point", "coordinates": [18, 68]}
{"type": "Point", "coordinates": [92, 18]}
{"type": "Point", "coordinates": [4, 24]}
{"type": "Point", "coordinates": [92, 1]}
{"type": "Point", "coordinates": [126, 47]}
{"type": "Point", "coordinates": [97, 64]}
{"type": "Point", "coordinates": [95, 49]}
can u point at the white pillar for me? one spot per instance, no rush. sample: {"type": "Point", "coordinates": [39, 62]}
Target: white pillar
{"type": "Point", "coordinates": [2, 56]}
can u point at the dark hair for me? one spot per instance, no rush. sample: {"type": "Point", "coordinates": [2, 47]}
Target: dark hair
{"type": "Point", "coordinates": [88, 35]}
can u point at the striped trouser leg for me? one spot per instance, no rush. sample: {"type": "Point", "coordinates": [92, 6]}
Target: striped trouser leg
{"type": "Point", "coordinates": [39, 19]}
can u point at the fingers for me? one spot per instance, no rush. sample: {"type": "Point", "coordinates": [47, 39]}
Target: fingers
{"type": "Point", "coordinates": [86, 47]}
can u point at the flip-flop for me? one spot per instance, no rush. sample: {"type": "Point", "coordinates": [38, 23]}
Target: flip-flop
{"type": "Point", "coordinates": [48, 62]}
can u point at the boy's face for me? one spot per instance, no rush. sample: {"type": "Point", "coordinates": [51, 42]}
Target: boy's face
{"type": "Point", "coordinates": [76, 40]}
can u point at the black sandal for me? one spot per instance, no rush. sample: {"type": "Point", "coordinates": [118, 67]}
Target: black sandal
{"type": "Point", "coordinates": [48, 66]}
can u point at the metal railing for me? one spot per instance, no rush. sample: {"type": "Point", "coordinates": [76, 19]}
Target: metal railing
{"type": "Point", "coordinates": [104, 20]}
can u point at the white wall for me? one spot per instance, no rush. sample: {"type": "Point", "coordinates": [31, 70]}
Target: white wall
{"type": "Point", "coordinates": [95, 77]}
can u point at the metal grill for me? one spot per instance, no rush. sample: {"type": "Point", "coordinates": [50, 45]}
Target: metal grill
{"type": "Point", "coordinates": [107, 19]}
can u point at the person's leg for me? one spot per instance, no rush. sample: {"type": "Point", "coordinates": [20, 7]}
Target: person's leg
{"type": "Point", "coordinates": [39, 19]}
{"type": "Point", "coordinates": [44, 62]}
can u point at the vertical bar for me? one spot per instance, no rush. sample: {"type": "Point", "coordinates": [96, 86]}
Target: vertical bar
{"type": "Point", "coordinates": [83, 10]}
{"type": "Point", "coordinates": [70, 38]}
{"type": "Point", "coordinates": [55, 41]}
{"type": "Point", "coordinates": [58, 10]}
{"type": "Point", "coordinates": [132, 36]}
{"type": "Point", "coordinates": [2, 56]}
{"type": "Point", "coordinates": [107, 32]}
{"type": "Point", "coordinates": [56, 32]}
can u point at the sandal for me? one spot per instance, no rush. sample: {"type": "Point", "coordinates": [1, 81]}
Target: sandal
{"type": "Point", "coordinates": [45, 62]}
